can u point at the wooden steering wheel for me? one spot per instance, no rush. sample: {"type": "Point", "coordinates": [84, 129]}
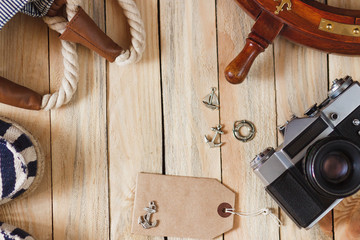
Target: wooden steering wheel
{"type": "Point", "coordinates": [306, 22]}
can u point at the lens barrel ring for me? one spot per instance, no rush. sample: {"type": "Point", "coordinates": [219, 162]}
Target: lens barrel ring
{"type": "Point", "coordinates": [314, 167]}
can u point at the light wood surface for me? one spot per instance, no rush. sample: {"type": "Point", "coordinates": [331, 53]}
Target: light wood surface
{"type": "Point", "coordinates": [148, 117]}
{"type": "Point", "coordinates": [253, 100]}
{"type": "Point", "coordinates": [135, 141]}
{"type": "Point", "coordinates": [189, 70]}
{"type": "Point", "coordinates": [79, 146]}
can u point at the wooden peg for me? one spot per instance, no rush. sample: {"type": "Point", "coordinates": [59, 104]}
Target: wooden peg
{"type": "Point", "coordinates": [263, 33]}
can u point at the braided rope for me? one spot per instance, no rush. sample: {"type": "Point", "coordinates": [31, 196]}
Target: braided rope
{"type": "Point", "coordinates": [137, 31]}
{"type": "Point", "coordinates": [70, 60]}
{"type": "Point", "coordinates": [70, 79]}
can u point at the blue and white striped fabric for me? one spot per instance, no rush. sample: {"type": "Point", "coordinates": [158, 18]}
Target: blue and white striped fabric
{"type": "Point", "coordinates": [35, 8]}
{"type": "Point", "coordinates": [9, 232]}
{"type": "Point", "coordinates": [18, 162]}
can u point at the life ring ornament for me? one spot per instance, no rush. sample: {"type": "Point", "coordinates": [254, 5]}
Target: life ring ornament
{"type": "Point", "coordinates": [238, 125]}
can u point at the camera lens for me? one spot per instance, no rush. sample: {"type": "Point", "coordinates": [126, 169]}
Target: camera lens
{"type": "Point", "coordinates": [332, 167]}
{"type": "Point", "coordinates": [336, 167]}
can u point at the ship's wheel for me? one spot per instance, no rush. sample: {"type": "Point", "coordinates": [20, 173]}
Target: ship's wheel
{"type": "Point", "coordinates": [306, 22]}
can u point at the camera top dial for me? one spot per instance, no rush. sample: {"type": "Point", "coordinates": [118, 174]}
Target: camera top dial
{"type": "Point", "coordinates": [339, 86]}
{"type": "Point", "coordinates": [262, 157]}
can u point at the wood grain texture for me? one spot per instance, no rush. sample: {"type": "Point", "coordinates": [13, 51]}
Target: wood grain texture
{"type": "Point", "coordinates": [134, 116]}
{"type": "Point", "coordinates": [347, 217]}
{"type": "Point", "coordinates": [253, 100]}
{"type": "Point", "coordinates": [24, 59]}
{"type": "Point", "coordinates": [79, 145]}
{"type": "Point", "coordinates": [189, 70]}
{"type": "Point", "coordinates": [124, 120]}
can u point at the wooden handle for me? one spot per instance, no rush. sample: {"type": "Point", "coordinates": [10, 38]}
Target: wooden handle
{"type": "Point", "coordinates": [238, 69]}
{"type": "Point", "coordinates": [18, 96]}
{"type": "Point", "coordinates": [263, 33]}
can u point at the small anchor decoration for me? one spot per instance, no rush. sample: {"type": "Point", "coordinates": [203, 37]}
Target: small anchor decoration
{"type": "Point", "coordinates": [217, 131]}
{"type": "Point", "coordinates": [211, 100]}
{"type": "Point", "coordinates": [144, 221]}
{"type": "Point", "coordinates": [282, 5]}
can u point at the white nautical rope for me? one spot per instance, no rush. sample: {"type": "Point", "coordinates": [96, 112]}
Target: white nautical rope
{"type": "Point", "coordinates": [70, 79]}
{"type": "Point", "coordinates": [137, 31]}
{"type": "Point", "coordinates": [70, 60]}
{"type": "Point", "coordinates": [264, 211]}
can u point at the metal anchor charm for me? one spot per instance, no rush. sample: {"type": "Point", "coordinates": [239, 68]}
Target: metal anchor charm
{"type": "Point", "coordinates": [145, 220]}
{"type": "Point", "coordinates": [217, 131]}
{"type": "Point", "coordinates": [282, 5]}
{"type": "Point", "coordinates": [211, 100]}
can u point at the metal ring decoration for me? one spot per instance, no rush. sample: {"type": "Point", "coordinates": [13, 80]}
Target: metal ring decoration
{"type": "Point", "coordinates": [307, 22]}
{"type": "Point", "coordinates": [244, 123]}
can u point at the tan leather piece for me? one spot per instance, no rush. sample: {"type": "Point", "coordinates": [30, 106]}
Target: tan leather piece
{"type": "Point", "coordinates": [19, 96]}
{"type": "Point", "coordinates": [55, 8]}
{"type": "Point", "coordinates": [82, 29]}
{"type": "Point", "coordinates": [187, 207]}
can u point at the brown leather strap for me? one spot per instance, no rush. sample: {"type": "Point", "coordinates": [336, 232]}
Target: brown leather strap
{"type": "Point", "coordinates": [19, 96]}
{"type": "Point", "coordinates": [82, 29]}
{"type": "Point", "coordinates": [56, 7]}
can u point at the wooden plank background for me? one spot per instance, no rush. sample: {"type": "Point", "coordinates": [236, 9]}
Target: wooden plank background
{"type": "Point", "coordinates": [149, 116]}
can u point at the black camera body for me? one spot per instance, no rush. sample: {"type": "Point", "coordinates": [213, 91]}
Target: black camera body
{"type": "Point", "coordinates": [319, 162]}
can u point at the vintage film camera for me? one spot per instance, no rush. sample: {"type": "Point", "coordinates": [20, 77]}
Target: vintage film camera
{"type": "Point", "coordinates": [319, 162]}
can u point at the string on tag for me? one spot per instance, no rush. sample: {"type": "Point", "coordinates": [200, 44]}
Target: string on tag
{"type": "Point", "coordinates": [263, 211]}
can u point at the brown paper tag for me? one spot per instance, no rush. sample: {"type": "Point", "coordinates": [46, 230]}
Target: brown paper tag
{"type": "Point", "coordinates": [186, 207]}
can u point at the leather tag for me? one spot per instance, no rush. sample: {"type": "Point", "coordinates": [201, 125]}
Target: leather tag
{"type": "Point", "coordinates": [83, 30]}
{"type": "Point", "coordinates": [185, 207]}
{"type": "Point", "coordinates": [16, 95]}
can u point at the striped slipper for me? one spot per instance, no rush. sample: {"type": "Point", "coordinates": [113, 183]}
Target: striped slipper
{"type": "Point", "coordinates": [8, 232]}
{"type": "Point", "coordinates": [21, 161]}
